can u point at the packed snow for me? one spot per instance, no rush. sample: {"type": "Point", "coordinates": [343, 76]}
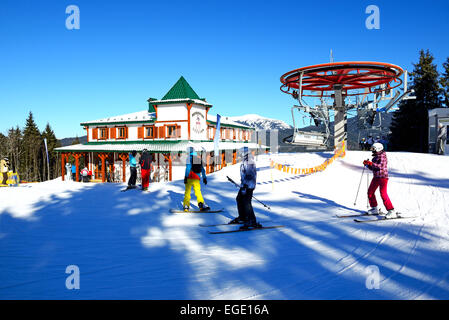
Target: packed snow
{"type": "Point", "coordinates": [127, 245]}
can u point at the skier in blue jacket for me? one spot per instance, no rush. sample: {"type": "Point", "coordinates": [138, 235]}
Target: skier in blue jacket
{"type": "Point", "coordinates": [248, 176]}
{"type": "Point", "coordinates": [133, 170]}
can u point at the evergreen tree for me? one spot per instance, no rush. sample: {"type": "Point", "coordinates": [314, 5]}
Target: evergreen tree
{"type": "Point", "coordinates": [32, 142]}
{"type": "Point", "coordinates": [15, 149]}
{"type": "Point", "coordinates": [409, 128]}
{"type": "Point", "coordinates": [52, 143]}
{"type": "Point", "coordinates": [444, 81]}
{"type": "Point", "coordinates": [3, 145]}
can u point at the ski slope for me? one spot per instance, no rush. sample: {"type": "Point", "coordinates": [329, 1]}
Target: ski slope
{"type": "Point", "coordinates": [128, 246]}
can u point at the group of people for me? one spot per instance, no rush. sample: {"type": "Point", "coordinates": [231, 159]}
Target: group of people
{"type": "Point", "coordinates": [146, 166]}
{"type": "Point", "coordinates": [85, 174]}
{"type": "Point", "coordinates": [195, 173]}
{"type": "Point", "coordinates": [366, 144]}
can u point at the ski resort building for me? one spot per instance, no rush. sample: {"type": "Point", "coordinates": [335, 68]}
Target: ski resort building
{"type": "Point", "coordinates": [179, 120]}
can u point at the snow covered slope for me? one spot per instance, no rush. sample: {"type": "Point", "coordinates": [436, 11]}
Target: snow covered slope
{"type": "Point", "coordinates": [261, 123]}
{"type": "Point", "coordinates": [128, 246]}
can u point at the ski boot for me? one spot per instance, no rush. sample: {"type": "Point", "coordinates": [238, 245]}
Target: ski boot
{"type": "Point", "coordinates": [203, 207]}
{"type": "Point", "coordinates": [373, 211]}
{"type": "Point", "coordinates": [237, 220]}
{"type": "Point", "coordinates": [392, 214]}
{"type": "Point", "coordinates": [251, 225]}
{"type": "Point", "coordinates": [186, 208]}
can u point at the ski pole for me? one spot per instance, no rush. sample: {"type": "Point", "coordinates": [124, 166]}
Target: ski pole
{"type": "Point", "coordinates": [230, 180]}
{"type": "Point", "coordinates": [367, 187]}
{"type": "Point", "coordinates": [360, 183]}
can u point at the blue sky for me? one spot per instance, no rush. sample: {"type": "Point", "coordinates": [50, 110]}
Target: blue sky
{"type": "Point", "coordinates": [231, 52]}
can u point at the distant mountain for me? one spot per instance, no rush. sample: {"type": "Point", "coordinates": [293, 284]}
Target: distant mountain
{"type": "Point", "coordinates": [69, 141]}
{"type": "Point", "coordinates": [261, 123]}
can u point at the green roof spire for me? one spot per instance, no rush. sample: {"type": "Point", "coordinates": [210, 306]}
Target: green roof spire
{"type": "Point", "coordinates": [181, 90]}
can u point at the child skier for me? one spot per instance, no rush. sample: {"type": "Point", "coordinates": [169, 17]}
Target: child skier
{"type": "Point", "coordinates": [194, 168]}
{"type": "Point", "coordinates": [380, 172]}
{"type": "Point", "coordinates": [248, 176]}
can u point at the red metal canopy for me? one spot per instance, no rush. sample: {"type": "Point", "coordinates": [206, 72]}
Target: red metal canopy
{"type": "Point", "coordinates": [319, 79]}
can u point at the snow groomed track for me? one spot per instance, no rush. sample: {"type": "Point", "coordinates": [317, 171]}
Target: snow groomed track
{"type": "Point", "coordinates": [129, 246]}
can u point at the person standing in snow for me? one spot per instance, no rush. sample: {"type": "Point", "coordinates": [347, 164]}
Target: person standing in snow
{"type": "Point", "coordinates": [362, 144]}
{"type": "Point", "coordinates": [194, 168]}
{"type": "Point", "coordinates": [73, 172]}
{"type": "Point", "coordinates": [380, 180]}
{"type": "Point", "coordinates": [133, 170]}
{"type": "Point", "coordinates": [442, 136]}
{"type": "Point", "coordinates": [145, 168]}
{"type": "Point", "coordinates": [4, 170]}
{"type": "Point", "coordinates": [369, 142]}
{"type": "Point", "coordinates": [84, 174]}
{"type": "Point", "coordinates": [248, 176]}
{"type": "Point", "coordinates": [68, 168]}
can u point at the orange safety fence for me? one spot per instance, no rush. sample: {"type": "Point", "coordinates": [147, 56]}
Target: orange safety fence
{"type": "Point", "coordinates": [291, 170]}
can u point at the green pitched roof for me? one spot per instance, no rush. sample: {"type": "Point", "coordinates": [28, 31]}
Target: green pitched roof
{"type": "Point", "coordinates": [181, 90]}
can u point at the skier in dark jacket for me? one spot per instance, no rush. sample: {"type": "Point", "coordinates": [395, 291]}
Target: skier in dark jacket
{"type": "Point", "coordinates": [248, 176]}
{"type": "Point", "coordinates": [380, 172]}
{"type": "Point", "coordinates": [145, 167]}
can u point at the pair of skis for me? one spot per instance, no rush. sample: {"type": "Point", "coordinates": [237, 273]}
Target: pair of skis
{"type": "Point", "coordinates": [379, 217]}
{"type": "Point", "coordinates": [221, 224]}
{"type": "Point", "coordinates": [234, 230]}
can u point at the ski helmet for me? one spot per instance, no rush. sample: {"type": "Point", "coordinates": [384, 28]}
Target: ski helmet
{"type": "Point", "coordinates": [244, 151]}
{"type": "Point", "coordinates": [377, 147]}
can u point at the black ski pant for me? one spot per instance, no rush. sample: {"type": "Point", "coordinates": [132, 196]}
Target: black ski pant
{"type": "Point", "coordinates": [5, 177]}
{"type": "Point", "coordinates": [133, 177]}
{"type": "Point", "coordinates": [244, 206]}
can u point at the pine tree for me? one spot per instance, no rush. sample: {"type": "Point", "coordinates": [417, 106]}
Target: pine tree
{"type": "Point", "coordinates": [444, 81]}
{"type": "Point", "coordinates": [15, 149]}
{"type": "Point", "coordinates": [3, 145]}
{"type": "Point", "coordinates": [52, 143]}
{"type": "Point", "coordinates": [32, 142]}
{"type": "Point", "coordinates": [409, 128]}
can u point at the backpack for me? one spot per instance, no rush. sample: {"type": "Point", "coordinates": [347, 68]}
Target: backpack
{"type": "Point", "coordinates": [196, 167]}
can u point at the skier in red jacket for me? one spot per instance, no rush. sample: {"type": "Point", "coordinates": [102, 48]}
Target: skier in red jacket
{"type": "Point", "coordinates": [380, 172]}
{"type": "Point", "coordinates": [145, 168]}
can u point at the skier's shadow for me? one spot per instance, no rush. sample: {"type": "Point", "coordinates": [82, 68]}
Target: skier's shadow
{"type": "Point", "coordinates": [330, 203]}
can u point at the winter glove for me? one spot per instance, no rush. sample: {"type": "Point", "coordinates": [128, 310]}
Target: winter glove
{"type": "Point", "coordinates": [244, 188]}
{"type": "Point", "coordinates": [367, 163]}
{"type": "Point", "coordinates": [204, 180]}
{"type": "Point", "coordinates": [185, 180]}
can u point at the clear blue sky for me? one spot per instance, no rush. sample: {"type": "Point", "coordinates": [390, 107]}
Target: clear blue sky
{"type": "Point", "coordinates": [231, 52]}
